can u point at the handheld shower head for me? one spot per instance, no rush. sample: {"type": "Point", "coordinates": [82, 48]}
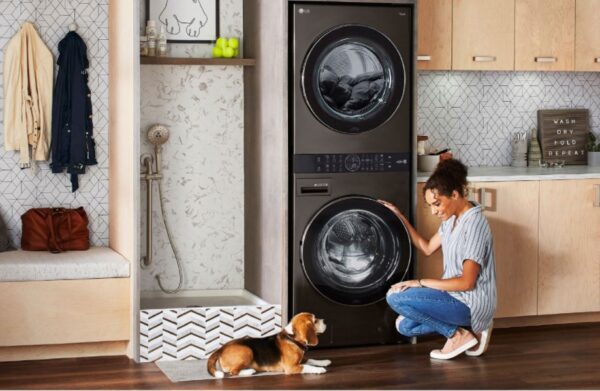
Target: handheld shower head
{"type": "Point", "coordinates": [158, 134]}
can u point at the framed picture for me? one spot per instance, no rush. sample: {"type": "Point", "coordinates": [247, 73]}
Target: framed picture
{"type": "Point", "coordinates": [186, 21]}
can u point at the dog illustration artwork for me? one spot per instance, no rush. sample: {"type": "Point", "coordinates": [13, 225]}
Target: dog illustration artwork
{"type": "Point", "coordinates": [173, 17]}
{"type": "Point", "coordinates": [282, 352]}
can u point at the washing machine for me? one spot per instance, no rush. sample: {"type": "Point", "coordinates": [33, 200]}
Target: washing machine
{"type": "Point", "coordinates": [351, 77]}
{"type": "Point", "coordinates": [351, 143]}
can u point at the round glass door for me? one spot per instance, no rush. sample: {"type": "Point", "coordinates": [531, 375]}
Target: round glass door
{"type": "Point", "coordinates": [353, 79]}
{"type": "Point", "coordinates": [353, 249]}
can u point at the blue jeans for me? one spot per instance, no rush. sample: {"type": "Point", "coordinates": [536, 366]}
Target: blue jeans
{"type": "Point", "coordinates": [428, 311]}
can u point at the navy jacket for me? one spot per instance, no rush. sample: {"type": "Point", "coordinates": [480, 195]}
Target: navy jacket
{"type": "Point", "coordinates": [72, 127]}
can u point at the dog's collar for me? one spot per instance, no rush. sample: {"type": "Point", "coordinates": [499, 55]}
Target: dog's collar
{"type": "Point", "coordinates": [300, 345]}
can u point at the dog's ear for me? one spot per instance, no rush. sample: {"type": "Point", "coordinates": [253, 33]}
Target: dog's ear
{"type": "Point", "coordinates": [307, 334]}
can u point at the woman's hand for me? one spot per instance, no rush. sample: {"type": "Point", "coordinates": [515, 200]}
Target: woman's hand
{"type": "Point", "coordinates": [393, 208]}
{"type": "Point", "coordinates": [404, 285]}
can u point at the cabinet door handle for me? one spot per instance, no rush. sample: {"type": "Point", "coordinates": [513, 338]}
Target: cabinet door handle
{"type": "Point", "coordinates": [546, 59]}
{"type": "Point", "coordinates": [597, 59]}
{"type": "Point", "coordinates": [482, 198]}
{"type": "Point", "coordinates": [484, 58]}
{"type": "Point", "coordinates": [423, 58]}
{"type": "Point", "coordinates": [597, 201]}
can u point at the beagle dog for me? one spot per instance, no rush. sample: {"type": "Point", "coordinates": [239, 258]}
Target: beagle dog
{"type": "Point", "coordinates": [282, 352]}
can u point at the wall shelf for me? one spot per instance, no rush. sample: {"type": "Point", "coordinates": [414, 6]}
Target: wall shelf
{"type": "Point", "coordinates": [196, 61]}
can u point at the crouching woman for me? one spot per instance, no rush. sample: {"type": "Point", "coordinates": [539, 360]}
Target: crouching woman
{"type": "Point", "coordinates": [460, 305]}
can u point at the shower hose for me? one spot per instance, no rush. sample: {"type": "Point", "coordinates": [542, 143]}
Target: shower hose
{"type": "Point", "coordinates": [171, 243]}
{"type": "Point", "coordinates": [144, 265]}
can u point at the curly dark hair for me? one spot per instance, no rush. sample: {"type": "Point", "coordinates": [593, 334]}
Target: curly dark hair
{"type": "Point", "coordinates": [449, 175]}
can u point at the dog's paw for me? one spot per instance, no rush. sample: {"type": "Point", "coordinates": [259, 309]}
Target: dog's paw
{"type": "Point", "coordinates": [193, 29]}
{"type": "Point", "coordinates": [306, 368]}
{"type": "Point", "coordinates": [171, 25]}
{"type": "Point", "coordinates": [318, 363]}
{"type": "Point", "coordinates": [219, 374]}
{"type": "Point", "coordinates": [247, 372]}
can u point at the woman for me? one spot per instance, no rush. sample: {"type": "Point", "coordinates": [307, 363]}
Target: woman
{"type": "Point", "coordinates": [465, 296]}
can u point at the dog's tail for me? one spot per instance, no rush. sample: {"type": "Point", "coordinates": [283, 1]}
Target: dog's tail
{"type": "Point", "coordinates": [211, 365]}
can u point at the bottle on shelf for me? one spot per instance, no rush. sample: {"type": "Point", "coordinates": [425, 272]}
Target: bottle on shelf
{"type": "Point", "coordinates": [143, 45]}
{"type": "Point", "coordinates": [151, 35]}
{"type": "Point", "coordinates": [161, 47]}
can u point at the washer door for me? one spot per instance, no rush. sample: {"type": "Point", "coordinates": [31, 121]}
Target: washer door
{"type": "Point", "coordinates": [353, 78]}
{"type": "Point", "coordinates": [353, 249]}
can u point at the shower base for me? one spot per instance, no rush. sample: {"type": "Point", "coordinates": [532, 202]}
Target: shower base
{"type": "Point", "coordinates": [193, 324]}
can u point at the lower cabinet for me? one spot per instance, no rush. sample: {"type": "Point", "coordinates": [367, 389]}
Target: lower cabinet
{"type": "Point", "coordinates": [569, 267]}
{"type": "Point", "coordinates": [546, 244]}
{"type": "Point", "coordinates": [511, 209]}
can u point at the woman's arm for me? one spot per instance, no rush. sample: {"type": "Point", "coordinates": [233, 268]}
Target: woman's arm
{"type": "Point", "coordinates": [465, 282]}
{"type": "Point", "coordinates": [428, 247]}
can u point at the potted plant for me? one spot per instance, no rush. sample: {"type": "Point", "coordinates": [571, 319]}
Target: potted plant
{"type": "Point", "coordinates": [593, 156]}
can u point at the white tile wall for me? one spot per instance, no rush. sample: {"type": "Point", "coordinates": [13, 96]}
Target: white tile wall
{"type": "Point", "coordinates": [474, 113]}
{"type": "Point", "coordinates": [19, 189]}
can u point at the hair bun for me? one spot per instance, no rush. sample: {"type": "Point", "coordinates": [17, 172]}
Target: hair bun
{"type": "Point", "coordinates": [449, 175]}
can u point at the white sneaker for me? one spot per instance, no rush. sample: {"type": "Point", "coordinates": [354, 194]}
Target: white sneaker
{"type": "Point", "coordinates": [455, 346]}
{"type": "Point", "coordinates": [484, 342]}
{"type": "Point", "coordinates": [399, 319]}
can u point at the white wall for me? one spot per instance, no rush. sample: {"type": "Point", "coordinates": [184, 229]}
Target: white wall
{"type": "Point", "coordinates": [20, 190]}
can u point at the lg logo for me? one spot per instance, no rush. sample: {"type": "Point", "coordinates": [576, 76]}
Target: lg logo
{"type": "Point", "coordinates": [303, 11]}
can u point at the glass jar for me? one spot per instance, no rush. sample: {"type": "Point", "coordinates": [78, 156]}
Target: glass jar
{"type": "Point", "coordinates": [161, 45]}
{"type": "Point", "coordinates": [161, 48]}
{"type": "Point", "coordinates": [143, 45]}
{"type": "Point", "coordinates": [151, 47]}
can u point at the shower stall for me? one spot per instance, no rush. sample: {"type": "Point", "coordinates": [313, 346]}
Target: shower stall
{"type": "Point", "coordinates": [192, 233]}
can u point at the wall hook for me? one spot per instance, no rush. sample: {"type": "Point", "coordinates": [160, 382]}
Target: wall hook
{"type": "Point", "coordinates": [73, 26]}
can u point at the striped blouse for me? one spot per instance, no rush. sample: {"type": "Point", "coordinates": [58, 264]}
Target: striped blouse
{"type": "Point", "coordinates": [471, 238]}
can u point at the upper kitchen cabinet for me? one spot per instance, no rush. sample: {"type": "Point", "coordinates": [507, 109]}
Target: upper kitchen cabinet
{"type": "Point", "coordinates": [569, 256]}
{"type": "Point", "coordinates": [434, 35]}
{"type": "Point", "coordinates": [545, 35]}
{"type": "Point", "coordinates": [587, 37]}
{"type": "Point", "coordinates": [483, 35]}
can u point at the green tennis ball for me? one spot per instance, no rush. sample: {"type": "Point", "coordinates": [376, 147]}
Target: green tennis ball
{"type": "Point", "coordinates": [217, 52]}
{"type": "Point", "coordinates": [228, 52]}
{"type": "Point", "coordinates": [221, 42]}
{"type": "Point", "coordinates": [233, 43]}
{"type": "Point", "coordinates": [235, 52]}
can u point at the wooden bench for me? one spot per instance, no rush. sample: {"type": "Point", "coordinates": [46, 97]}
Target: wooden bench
{"type": "Point", "coordinates": [71, 304]}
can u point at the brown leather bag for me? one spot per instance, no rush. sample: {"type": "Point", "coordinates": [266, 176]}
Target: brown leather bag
{"type": "Point", "coordinates": [55, 230]}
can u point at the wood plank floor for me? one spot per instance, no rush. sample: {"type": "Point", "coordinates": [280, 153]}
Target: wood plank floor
{"type": "Point", "coordinates": [527, 358]}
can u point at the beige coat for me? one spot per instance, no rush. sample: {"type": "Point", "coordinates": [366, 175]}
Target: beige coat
{"type": "Point", "coordinates": [28, 80]}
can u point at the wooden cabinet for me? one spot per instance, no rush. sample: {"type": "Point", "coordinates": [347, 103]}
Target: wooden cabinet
{"type": "Point", "coordinates": [434, 35]}
{"type": "Point", "coordinates": [483, 33]}
{"type": "Point", "coordinates": [546, 244]}
{"type": "Point", "coordinates": [522, 35]}
{"type": "Point", "coordinates": [587, 35]}
{"type": "Point", "coordinates": [569, 251]}
{"type": "Point", "coordinates": [512, 212]}
{"type": "Point", "coordinates": [544, 35]}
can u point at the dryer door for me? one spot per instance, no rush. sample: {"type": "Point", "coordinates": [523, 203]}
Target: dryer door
{"type": "Point", "coordinates": [353, 249]}
{"type": "Point", "coordinates": [353, 78]}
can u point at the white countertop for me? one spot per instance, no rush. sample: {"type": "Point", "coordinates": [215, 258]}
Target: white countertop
{"type": "Point", "coordinates": [507, 173]}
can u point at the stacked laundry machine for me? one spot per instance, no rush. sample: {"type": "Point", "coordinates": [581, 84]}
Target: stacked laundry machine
{"type": "Point", "coordinates": [351, 82]}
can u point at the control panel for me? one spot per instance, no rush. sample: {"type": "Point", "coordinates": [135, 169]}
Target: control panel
{"type": "Point", "coordinates": [351, 162]}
